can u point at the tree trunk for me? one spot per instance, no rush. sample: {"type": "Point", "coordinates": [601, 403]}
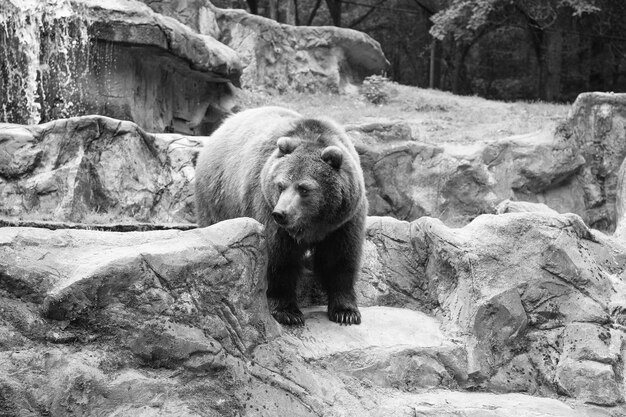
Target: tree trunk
{"type": "Point", "coordinates": [459, 72]}
{"type": "Point", "coordinates": [550, 61]}
{"type": "Point", "coordinates": [273, 9]}
{"type": "Point", "coordinates": [608, 67]}
{"type": "Point", "coordinates": [334, 7]}
{"type": "Point", "coordinates": [290, 12]}
{"type": "Point", "coordinates": [309, 21]}
{"type": "Point", "coordinates": [435, 64]}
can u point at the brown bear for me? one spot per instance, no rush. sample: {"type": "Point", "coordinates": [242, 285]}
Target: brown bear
{"type": "Point", "coordinates": [302, 179]}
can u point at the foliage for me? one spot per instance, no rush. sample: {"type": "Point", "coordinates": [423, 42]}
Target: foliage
{"type": "Point", "coordinates": [464, 20]}
{"type": "Point", "coordinates": [375, 89]}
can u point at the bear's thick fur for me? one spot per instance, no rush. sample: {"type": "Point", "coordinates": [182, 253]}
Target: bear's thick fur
{"type": "Point", "coordinates": [302, 179]}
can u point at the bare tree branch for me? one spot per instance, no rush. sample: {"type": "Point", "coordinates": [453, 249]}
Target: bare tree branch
{"type": "Point", "coordinates": [309, 21]}
{"type": "Point", "coordinates": [365, 15]}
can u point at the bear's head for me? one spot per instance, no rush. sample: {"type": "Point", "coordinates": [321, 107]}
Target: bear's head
{"type": "Point", "coordinates": [311, 187]}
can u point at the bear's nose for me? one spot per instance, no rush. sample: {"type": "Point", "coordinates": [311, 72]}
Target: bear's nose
{"type": "Point", "coordinates": [279, 217]}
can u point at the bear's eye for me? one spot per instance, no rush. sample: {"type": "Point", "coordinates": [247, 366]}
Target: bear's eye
{"type": "Point", "coordinates": [303, 190]}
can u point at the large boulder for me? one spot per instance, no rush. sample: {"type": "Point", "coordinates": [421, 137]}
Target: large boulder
{"type": "Point", "coordinates": [115, 58]}
{"type": "Point", "coordinates": [596, 128]}
{"type": "Point", "coordinates": [523, 305]}
{"type": "Point", "coordinates": [536, 298]}
{"type": "Point", "coordinates": [405, 178]}
{"type": "Point", "coordinates": [574, 168]}
{"type": "Point", "coordinates": [518, 313]}
{"type": "Point", "coordinates": [301, 58]}
{"type": "Point", "coordinates": [94, 168]}
{"type": "Point", "coordinates": [280, 56]}
{"type": "Point", "coordinates": [408, 179]}
{"type": "Point", "coordinates": [145, 288]}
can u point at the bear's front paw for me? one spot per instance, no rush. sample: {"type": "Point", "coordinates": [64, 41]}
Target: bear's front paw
{"type": "Point", "coordinates": [345, 315]}
{"type": "Point", "coordinates": [289, 317]}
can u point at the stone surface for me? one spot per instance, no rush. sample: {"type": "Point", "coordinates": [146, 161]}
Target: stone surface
{"type": "Point", "coordinates": [525, 305]}
{"type": "Point", "coordinates": [507, 286]}
{"type": "Point", "coordinates": [120, 279]}
{"type": "Point", "coordinates": [620, 203]}
{"type": "Point", "coordinates": [509, 206]}
{"type": "Point", "coordinates": [405, 178]}
{"type": "Point", "coordinates": [589, 381]}
{"type": "Point", "coordinates": [301, 58]}
{"type": "Point", "coordinates": [114, 58]}
{"type": "Point", "coordinates": [78, 168]}
{"type": "Point", "coordinates": [596, 126]}
{"type": "Point", "coordinates": [574, 169]}
{"type": "Point", "coordinates": [279, 56]}
{"type": "Point", "coordinates": [408, 179]}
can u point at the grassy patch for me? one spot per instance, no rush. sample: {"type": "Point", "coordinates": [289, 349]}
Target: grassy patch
{"type": "Point", "coordinates": [434, 116]}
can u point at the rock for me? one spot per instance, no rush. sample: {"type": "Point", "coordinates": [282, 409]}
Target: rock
{"type": "Point", "coordinates": [176, 322]}
{"type": "Point", "coordinates": [499, 325]}
{"type": "Point", "coordinates": [119, 280]}
{"type": "Point", "coordinates": [620, 203]}
{"type": "Point", "coordinates": [573, 169]}
{"type": "Point", "coordinates": [76, 168]}
{"type": "Point", "coordinates": [588, 341]}
{"type": "Point", "coordinates": [508, 280]}
{"type": "Point", "coordinates": [393, 266]}
{"type": "Point", "coordinates": [589, 381]}
{"type": "Point", "coordinates": [506, 286]}
{"type": "Point", "coordinates": [595, 126]}
{"type": "Point", "coordinates": [405, 178]}
{"type": "Point", "coordinates": [283, 57]}
{"type": "Point", "coordinates": [392, 348]}
{"type": "Point", "coordinates": [518, 375]}
{"type": "Point", "coordinates": [452, 404]}
{"type": "Point", "coordinates": [408, 179]}
{"type": "Point", "coordinates": [118, 59]}
{"type": "Point", "coordinates": [301, 58]}
{"type": "Point", "coordinates": [168, 344]}
{"type": "Point", "coordinates": [508, 206]}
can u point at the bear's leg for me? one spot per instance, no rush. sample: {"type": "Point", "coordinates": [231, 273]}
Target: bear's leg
{"type": "Point", "coordinates": [336, 263]}
{"type": "Point", "coordinates": [283, 271]}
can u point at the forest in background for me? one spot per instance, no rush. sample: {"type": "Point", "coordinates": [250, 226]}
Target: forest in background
{"type": "Point", "coordinates": [549, 50]}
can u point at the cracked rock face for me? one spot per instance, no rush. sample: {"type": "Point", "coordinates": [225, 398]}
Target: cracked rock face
{"type": "Point", "coordinates": [575, 169]}
{"type": "Point", "coordinates": [72, 169]}
{"type": "Point", "coordinates": [69, 168]}
{"type": "Point", "coordinates": [280, 56]}
{"type": "Point", "coordinates": [514, 313]}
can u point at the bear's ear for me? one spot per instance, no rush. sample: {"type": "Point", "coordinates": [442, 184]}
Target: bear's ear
{"type": "Point", "coordinates": [333, 156]}
{"type": "Point", "coordinates": [286, 144]}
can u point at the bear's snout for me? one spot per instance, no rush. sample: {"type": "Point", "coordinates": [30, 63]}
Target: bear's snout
{"type": "Point", "coordinates": [286, 208]}
{"type": "Point", "coordinates": [279, 217]}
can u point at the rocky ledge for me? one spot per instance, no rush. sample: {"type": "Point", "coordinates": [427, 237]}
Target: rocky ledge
{"type": "Point", "coordinates": [71, 170]}
{"type": "Point", "coordinates": [575, 168]}
{"type": "Point", "coordinates": [301, 58]}
{"type": "Point", "coordinates": [116, 58]}
{"type": "Point", "coordinates": [68, 169]}
{"type": "Point", "coordinates": [284, 57]}
{"type": "Point", "coordinates": [520, 312]}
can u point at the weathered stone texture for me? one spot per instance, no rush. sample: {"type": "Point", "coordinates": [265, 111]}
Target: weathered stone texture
{"type": "Point", "coordinates": [72, 169]}
{"type": "Point", "coordinates": [114, 58]}
{"type": "Point", "coordinates": [178, 322]}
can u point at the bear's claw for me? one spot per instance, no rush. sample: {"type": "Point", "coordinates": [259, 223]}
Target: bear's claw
{"type": "Point", "coordinates": [346, 317]}
{"type": "Point", "coordinates": [290, 318]}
